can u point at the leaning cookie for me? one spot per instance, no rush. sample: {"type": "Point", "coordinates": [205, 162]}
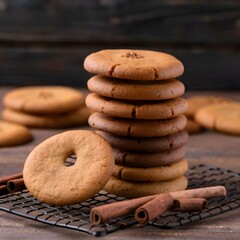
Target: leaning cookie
{"type": "Point", "coordinates": [48, 178]}
{"type": "Point", "coordinates": [221, 117]}
{"type": "Point", "coordinates": [152, 174]}
{"type": "Point", "coordinates": [74, 118]}
{"type": "Point", "coordinates": [137, 128]}
{"type": "Point", "coordinates": [131, 189]}
{"type": "Point", "coordinates": [44, 99]}
{"type": "Point", "coordinates": [151, 145]}
{"type": "Point", "coordinates": [13, 134]}
{"type": "Point", "coordinates": [136, 90]}
{"type": "Point", "coordinates": [137, 109]}
{"type": "Point", "coordinates": [134, 64]}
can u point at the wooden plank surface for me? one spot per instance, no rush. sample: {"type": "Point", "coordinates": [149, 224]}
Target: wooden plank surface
{"type": "Point", "coordinates": [208, 147]}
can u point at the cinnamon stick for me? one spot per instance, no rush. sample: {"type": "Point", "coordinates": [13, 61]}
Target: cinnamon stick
{"type": "Point", "coordinates": [207, 192]}
{"type": "Point", "coordinates": [103, 213]}
{"type": "Point", "coordinates": [153, 208]}
{"type": "Point", "coordinates": [3, 190]}
{"type": "Point", "coordinates": [189, 204]}
{"type": "Point", "coordinates": [16, 185]}
{"type": "Point", "coordinates": [4, 180]}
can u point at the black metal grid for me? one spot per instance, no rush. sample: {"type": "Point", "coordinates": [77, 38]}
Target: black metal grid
{"type": "Point", "coordinates": [77, 216]}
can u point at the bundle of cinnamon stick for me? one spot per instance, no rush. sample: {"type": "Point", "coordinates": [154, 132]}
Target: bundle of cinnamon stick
{"type": "Point", "coordinates": [147, 208]}
{"type": "Point", "coordinates": [11, 183]}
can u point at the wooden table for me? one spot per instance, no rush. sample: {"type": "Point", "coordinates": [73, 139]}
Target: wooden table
{"type": "Point", "coordinates": [208, 147]}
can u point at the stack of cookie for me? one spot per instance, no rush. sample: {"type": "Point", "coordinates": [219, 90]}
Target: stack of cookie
{"type": "Point", "coordinates": [45, 107]}
{"type": "Point", "coordinates": [195, 103]}
{"type": "Point", "coordinates": [139, 111]}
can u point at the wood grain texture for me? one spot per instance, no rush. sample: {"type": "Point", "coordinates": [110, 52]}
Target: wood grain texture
{"type": "Point", "coordinates": [204, 69]}
{"type": "Point", "coordinates": [208, 147]}
{"type": "Point", "coordinates": [120, 21]}
{"type": "Point", "coordinates": [45, 42]}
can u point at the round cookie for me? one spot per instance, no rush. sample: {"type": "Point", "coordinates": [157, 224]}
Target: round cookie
{"type": "Point", "coordinates": [155, 144]}
{"type": "Point", "coordinates": [197, 102]}
{"type": "Point", "coordinates": [193, 127]}
{"type": "Point", "coordinates": [134, 64]}
{"type": "Point", "coordinates": [137, 128]}
{"type": "Point", "coordinates": [152, 174]}
{"type": "Point", "coordinates": [221, 117]}
{"type": "Point", "coordinates": [13, 134]}
{"type": "Point", "coordinates": [51, 181]}
{"type": "Point", "coordinates": [44, 99]}
{"type": "Point", "coordinates": [63, 120]}
{"type": "Point", "coordinates": [130, 189]}
{"type": "Point", "coordinates": [136, 90]}
{"type": "Point", "coordinates": [146, 160]}
{"type": "Point", "coordinates": [137, 109]}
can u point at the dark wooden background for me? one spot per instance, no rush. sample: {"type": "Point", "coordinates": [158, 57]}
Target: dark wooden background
{"type": "Point", "coordinates": [46, 41]}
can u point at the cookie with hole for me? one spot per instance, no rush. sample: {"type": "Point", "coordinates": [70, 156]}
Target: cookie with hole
{"type": "Point", "coordinates": [50, 180]}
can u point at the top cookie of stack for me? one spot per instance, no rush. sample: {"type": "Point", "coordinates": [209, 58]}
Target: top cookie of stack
{"type": "Point", "coordinates": [137, 103]}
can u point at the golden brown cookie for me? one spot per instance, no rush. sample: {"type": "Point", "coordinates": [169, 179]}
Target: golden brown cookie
{"type": "Point", "coordinates": [197, 102]}
{"type": "Point", "coordinates": [134, 64]}
{"type": "Point", "coordinates": [44, 99]}
{"type": "Point", "coordinates": [146, 160]}
{"type": "Point", "coordinates": [13, 134]}
{"type": "Point", "coordinates": [193, 127]}
{"type": "Point", "coordinates": [221, 117]}
{"type": "Point", "coordinates": [63, 120]}
{"type": "Point", "coordinates": [137, 128]}
{"type": "Point", "coordinates": [151, 145]}
{"type": "Point", "coordinates": [130, 189]}
{"type": "Point", "coordinates": [51, 181]}
{"type": "Point", "coordinates": [136, 90]}
{"type": "Point", "coordinates": [137, 109]}
{"type": "Point", "coordinates": [151, 174]}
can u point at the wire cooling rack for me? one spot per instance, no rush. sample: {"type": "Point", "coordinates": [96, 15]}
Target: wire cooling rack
{"type": "Point", "coordinates": [77, 216]}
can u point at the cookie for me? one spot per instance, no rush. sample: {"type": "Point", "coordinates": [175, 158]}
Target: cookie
{"type": "Point", "coordinates": [130, 189]}
{"type": "Point", "coordinates": [193, 127]}
{"type": "Point", "coordinates": [221, 117]}
{"type": "Point", "coordinates": [137, 109]}
{"type": "Point", "coordinates": [13, 134]}
{"type": "Point", "coordinates": [134, 64]}
{"type": "Point", "coordinates": [197, 102]}
{"type": "Point", "coordinates": [151, 145]}
{"type": "Point", "coordinates": [136, 90]}
{"type": "Point", "coordinates": [151, 174]}
{"type": "Point", "coordinates": [44, 99]}
{"type": "Point", "coordinates": [51, 181]}
{"type": "Point", "coordinates": [143, 160]}
{"type": "Point", "coordinates": [137, 128]}
{"type": "Point", "coordinates": [63, 120]}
